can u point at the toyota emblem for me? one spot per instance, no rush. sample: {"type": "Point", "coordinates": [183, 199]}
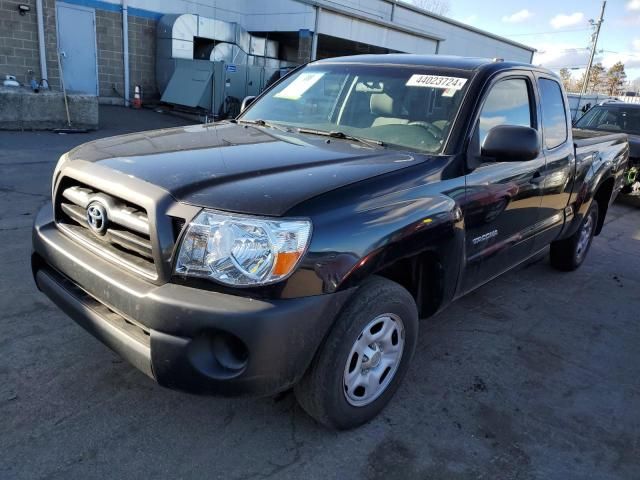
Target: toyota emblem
{"type": "Point", "coordinates": [97, 217]}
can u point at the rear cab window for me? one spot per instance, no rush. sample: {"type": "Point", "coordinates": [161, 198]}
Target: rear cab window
{"type": "Point", "coordinates": [554, 113]}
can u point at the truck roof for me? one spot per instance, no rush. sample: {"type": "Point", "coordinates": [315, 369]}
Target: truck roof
{"type": "Point", "coordinates": [442, 61]}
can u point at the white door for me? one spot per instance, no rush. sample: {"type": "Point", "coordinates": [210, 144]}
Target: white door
{"type": "Point", "coordinates": [77, 47]}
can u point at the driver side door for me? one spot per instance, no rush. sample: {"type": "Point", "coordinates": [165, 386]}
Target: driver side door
{"type": "Point", "coordinates": [502, 199]}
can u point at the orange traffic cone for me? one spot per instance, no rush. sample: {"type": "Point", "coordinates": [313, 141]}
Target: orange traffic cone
{"type": "Point", "coordinates": [137, 99]}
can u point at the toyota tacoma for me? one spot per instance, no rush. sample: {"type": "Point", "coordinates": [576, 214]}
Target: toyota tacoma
{"type": "Point", "coordinates": [297, 245]}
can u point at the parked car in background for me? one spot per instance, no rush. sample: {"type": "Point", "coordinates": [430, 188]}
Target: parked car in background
{"type": "Point", "coordinates": [298, 245]}
{"type": "Point", "coordinates": [580, 104]}
{"type": "Point", "coordinates": [619, 117]}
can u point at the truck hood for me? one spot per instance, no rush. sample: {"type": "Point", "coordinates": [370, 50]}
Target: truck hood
{"type": "Point", "coordinates": [240, 168]}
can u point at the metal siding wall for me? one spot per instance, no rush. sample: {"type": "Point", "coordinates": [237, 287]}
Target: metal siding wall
{"type": "Point", "coordinates": [227, 10]}
{"type": "Point", "coordinates": [460, 41]}
{"type": "Point", "coordinates": [342, 26]}
{"type": "Point", "coordinates": [279, 16]}
{"type": "Point", "coordinates": [290, 15]}
{"type": "Point", "coordinates": [254, 15]}
{"type": "Point", "coordinates": [376, 9]}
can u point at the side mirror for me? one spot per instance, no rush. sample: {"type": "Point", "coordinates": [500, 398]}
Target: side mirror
{"type": "Point", "coordinates": [246, 102]}
{"type": "Point", "coordinates": [511, 143]}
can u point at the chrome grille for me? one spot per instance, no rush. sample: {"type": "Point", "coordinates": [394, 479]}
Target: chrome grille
{"type": "Point", "coordinates": [119, 212]}
{"type": "Point", "coordinates": [125, 236]}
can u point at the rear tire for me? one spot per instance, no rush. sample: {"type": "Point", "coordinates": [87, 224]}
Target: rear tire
{"type": "Point", "coordinates": [344, 387]}
{"type": "Point", "coordinates": [569, 253]}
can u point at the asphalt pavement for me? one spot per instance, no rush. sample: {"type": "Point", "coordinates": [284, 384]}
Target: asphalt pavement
{"type": "Point", "coordinates": [536, 375]}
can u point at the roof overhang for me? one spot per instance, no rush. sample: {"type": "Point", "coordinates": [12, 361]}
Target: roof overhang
{"type": "Point", "coordinates": [364, 18]}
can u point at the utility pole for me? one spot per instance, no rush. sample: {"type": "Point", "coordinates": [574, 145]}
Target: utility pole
{"type": "Point", "coordinates": [594, 42]}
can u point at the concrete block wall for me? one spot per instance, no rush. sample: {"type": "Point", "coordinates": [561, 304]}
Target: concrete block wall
{"type": "Point", "coordinates": [19, 48]}
{"type": "Point", "coordinates": [142, 49]}
{"type": "Point", "coordinates": [110, 60]}
{"type": "Point", "coordinates": [51, 43]}
{"type": "Point", "coordinates": [18, 40]}
{"type": "Point", "coordinates": [142, 56]}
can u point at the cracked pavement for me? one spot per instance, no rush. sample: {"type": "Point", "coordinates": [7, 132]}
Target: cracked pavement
{"type": "Point", "coordinates": [535, 375]}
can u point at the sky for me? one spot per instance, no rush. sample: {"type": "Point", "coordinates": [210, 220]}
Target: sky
{"type": "Point", "coordinates": [560, 30]}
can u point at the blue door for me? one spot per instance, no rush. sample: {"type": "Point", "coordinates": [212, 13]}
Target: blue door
{"type": "Point", "coordinates": [77, 47]}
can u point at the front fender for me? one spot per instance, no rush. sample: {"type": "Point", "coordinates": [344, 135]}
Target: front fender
{"type": "Point", "coordinates": [365, 227]}
{"type": "Point", "coordinates": [355, 241]}
{"type": "Point", "coordinates": [406, 229]}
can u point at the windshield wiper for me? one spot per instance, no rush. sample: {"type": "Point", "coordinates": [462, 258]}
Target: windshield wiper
{"type": "Point", "coordinates": [344, 136]}
{"type": "Point", "coordinates": [262, 123]}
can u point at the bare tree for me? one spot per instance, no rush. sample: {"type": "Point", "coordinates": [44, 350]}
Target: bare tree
{"type": "Point", "coordinates": [439, 7]}
{"type": "Point", "coordinates": [616, 78]}
{"type": "Point", "coordinates": [597, 78]}
{"type": "Point", "coordinates": [567, 80]}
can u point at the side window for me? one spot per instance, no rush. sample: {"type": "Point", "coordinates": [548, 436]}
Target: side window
{"type": "Point", "coordinates": [554, 114]}
{"type": "Point", "coordinates": [508, 103]}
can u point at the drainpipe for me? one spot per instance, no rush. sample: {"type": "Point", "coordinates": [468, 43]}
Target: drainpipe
{"type": "Point", "coordinates": [41, 48]}
{"type": "Point", "coordinates": [314, 40]}
{"type": "Point", "coordinates": [125, 50]}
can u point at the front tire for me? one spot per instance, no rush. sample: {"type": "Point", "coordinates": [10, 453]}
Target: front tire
{"type": "Point", "coordinates": [568, 254]}
{"type": "Point", "coordinates": [363, 360]}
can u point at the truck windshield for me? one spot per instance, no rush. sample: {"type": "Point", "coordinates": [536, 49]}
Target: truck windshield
{"type": "Point", "coordinates": [625, 119]}
{"type": "Point", "coordinates": [409, 107]}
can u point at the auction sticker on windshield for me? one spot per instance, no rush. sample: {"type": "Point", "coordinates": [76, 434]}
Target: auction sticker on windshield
{"type": "Point", "coordinates": [296, 89]}
{"type": "Point", "coordinates": [436, 81]}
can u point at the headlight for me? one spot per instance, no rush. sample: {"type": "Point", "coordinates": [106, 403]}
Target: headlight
{"type": "Point", "coordinates": [240, 251]}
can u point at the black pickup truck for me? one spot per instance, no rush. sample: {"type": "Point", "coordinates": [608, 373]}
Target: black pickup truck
{"type": "Point", "coordinates": [297, 245]}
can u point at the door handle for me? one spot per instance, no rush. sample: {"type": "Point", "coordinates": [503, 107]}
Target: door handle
{"type": "Point", "coordinates": [537, 178]}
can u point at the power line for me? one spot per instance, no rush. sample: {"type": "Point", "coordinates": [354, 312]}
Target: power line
{"type": "Point", "coordinates": [598, 53]}
{"type": "Point", "coordinates": [626, 54]}
{"type": "Point", "coordinates": [545, 33]}
{"type": "Point", "coordinates": [568, 67]}
{"type": "Point", "coordinates": [565, 50]}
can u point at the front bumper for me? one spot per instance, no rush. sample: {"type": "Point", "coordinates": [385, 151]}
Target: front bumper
{"type": "Point", "coordinates": [185, 338]}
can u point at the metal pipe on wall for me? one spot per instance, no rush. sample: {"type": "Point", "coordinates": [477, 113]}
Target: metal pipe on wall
{"type": "Point", "coordinates": [41, 45]}
{"type": "Point", "coordinates": [314, 39]}
{"type": "Point", "coordinates": [125, 50]}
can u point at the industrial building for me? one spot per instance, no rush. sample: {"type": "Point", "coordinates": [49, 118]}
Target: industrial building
{"type": "Point", "coordinates": [178, 50]}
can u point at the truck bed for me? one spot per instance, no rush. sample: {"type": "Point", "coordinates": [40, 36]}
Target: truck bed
{"type": "Point", "coordinates": [595, 149]}
{"type": "Point", "coordinates": [587, 138]}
